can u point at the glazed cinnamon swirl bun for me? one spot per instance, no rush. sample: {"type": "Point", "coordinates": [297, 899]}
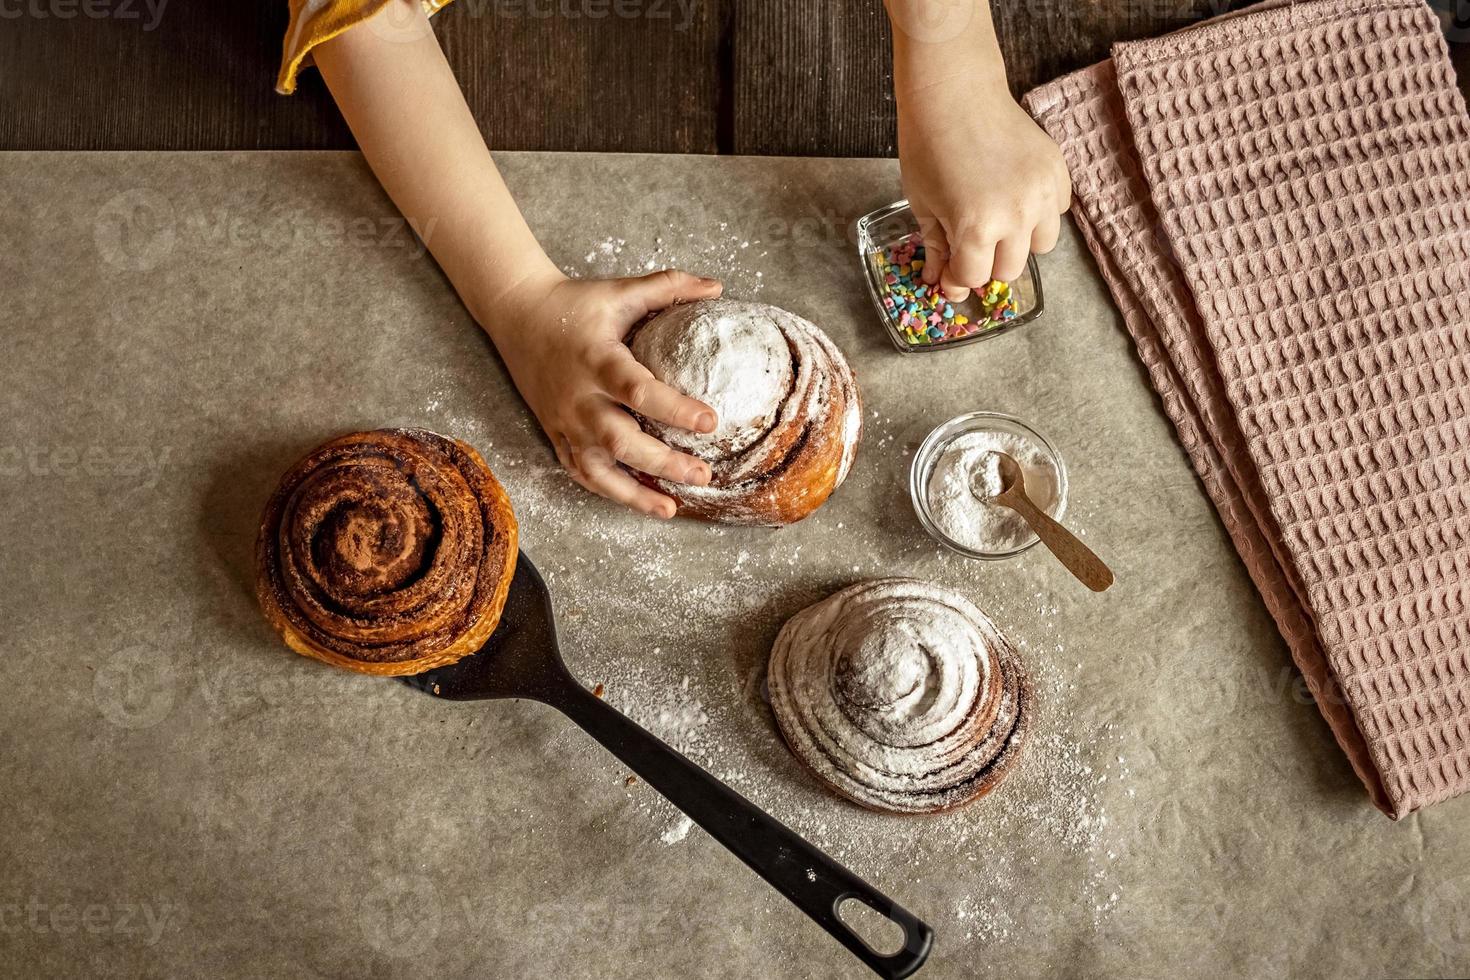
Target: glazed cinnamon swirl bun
{"type": "Point", "coordinates": [900, 695]}
{"type": "Point", "coordinates": [788, 406]}
{"type": "Point", "coordinates": [386, 552]}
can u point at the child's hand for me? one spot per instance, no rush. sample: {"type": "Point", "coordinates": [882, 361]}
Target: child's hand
{"type": "Point", "coordinates": [563, 342]}
{"type": "Point", "coordinates": [986, 184]}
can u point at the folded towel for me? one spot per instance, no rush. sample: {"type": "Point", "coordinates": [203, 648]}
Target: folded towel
{"type": "Point", "coordinates": [1279, 200]}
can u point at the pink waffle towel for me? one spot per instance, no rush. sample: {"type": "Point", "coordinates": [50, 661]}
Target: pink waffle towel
{"type": "Point", "coordinates": [1279, 200]}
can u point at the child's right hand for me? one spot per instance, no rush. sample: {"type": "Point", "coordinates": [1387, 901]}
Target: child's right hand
{"type": "Point", "coordinates": [981, 213]}
{"type": "Point", "coordinates": [563, 342]}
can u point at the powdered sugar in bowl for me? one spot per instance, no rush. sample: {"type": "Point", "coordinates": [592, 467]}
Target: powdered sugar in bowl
{"type": "Point", "coordinates": [954, 474]}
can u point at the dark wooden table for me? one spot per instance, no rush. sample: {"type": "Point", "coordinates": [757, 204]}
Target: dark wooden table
{"type": "Point", "coordinates": [800, 77]}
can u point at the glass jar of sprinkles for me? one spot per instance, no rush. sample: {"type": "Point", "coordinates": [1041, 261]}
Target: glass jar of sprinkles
{"type": "Point", "coordinates": [916, 317]}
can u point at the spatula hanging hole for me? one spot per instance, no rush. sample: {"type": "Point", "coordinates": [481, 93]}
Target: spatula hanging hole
{"type": "Point", "coordinates": [883, 936]}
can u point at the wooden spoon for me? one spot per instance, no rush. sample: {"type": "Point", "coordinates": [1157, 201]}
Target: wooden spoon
{"type": "Point", "coordinates": [1076, 556]}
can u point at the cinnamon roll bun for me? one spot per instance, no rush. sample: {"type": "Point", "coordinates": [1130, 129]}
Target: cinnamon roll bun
{"type": "Point", "coordinates": [788, 406]}
{"type": "Point", "coordinates": [900, 695]}
{"type": "Point", "coordinates": [386, 552]}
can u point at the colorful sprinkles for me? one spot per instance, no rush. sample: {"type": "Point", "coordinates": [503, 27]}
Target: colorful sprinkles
{"type": "Point", "coordinates": [921, 312]}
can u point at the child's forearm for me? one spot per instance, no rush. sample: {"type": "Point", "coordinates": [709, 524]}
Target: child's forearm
{"type": "Point", "coordinates": [938, 41]}
{"type": "Point", "coordinates": [403, 104]}
{"type": "Point", "coordinates": [981, 214]}
{"type": "Point", "coordinates": [561, 339]}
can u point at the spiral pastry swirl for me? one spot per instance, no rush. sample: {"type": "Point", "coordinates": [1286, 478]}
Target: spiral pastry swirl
{"type": "Point", "coordinates": [386, 552]}
{"type": "Point", "coordinates": [900, 695]}
{"type": "Point", "coordinates": [790, 414]}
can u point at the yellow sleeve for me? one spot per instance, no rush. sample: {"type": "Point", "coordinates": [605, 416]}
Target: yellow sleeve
{"type": "Point", "coordinates": [315, 21]}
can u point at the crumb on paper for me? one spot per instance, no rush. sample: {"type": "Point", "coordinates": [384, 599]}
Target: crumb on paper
{"type": "Point", "coordinates": [677, 831]}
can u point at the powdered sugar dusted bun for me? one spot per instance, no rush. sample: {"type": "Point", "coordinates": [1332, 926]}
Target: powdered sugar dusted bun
{"type": "Point", "coordinates": [789, 410]}
{"type": "Point", "coordinates": [901, 695]}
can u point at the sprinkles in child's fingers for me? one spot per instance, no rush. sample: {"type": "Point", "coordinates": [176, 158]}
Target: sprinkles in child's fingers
{"type": "Point", "coordinates": [923, 314]}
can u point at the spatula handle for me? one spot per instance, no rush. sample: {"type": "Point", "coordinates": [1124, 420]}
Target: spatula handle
{"type": "Point", "coordinates": [814, 882]}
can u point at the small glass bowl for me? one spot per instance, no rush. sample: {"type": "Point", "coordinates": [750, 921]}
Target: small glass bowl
{"type": "Point", "coordinates": [887, 227]}
{"type": "Point", "coordinates": [937, 441]}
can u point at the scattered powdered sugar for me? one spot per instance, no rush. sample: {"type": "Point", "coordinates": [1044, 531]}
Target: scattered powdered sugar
{"type": "Point", "coordinates": [966, 478]}
{"type": "Point", "coordinates": [676, 619]}
{"type": "Point", "coordinates": [726, 256]}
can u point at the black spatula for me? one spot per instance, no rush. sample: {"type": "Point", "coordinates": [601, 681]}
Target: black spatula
{"type": "Point", "coordinates": [522, 660]}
